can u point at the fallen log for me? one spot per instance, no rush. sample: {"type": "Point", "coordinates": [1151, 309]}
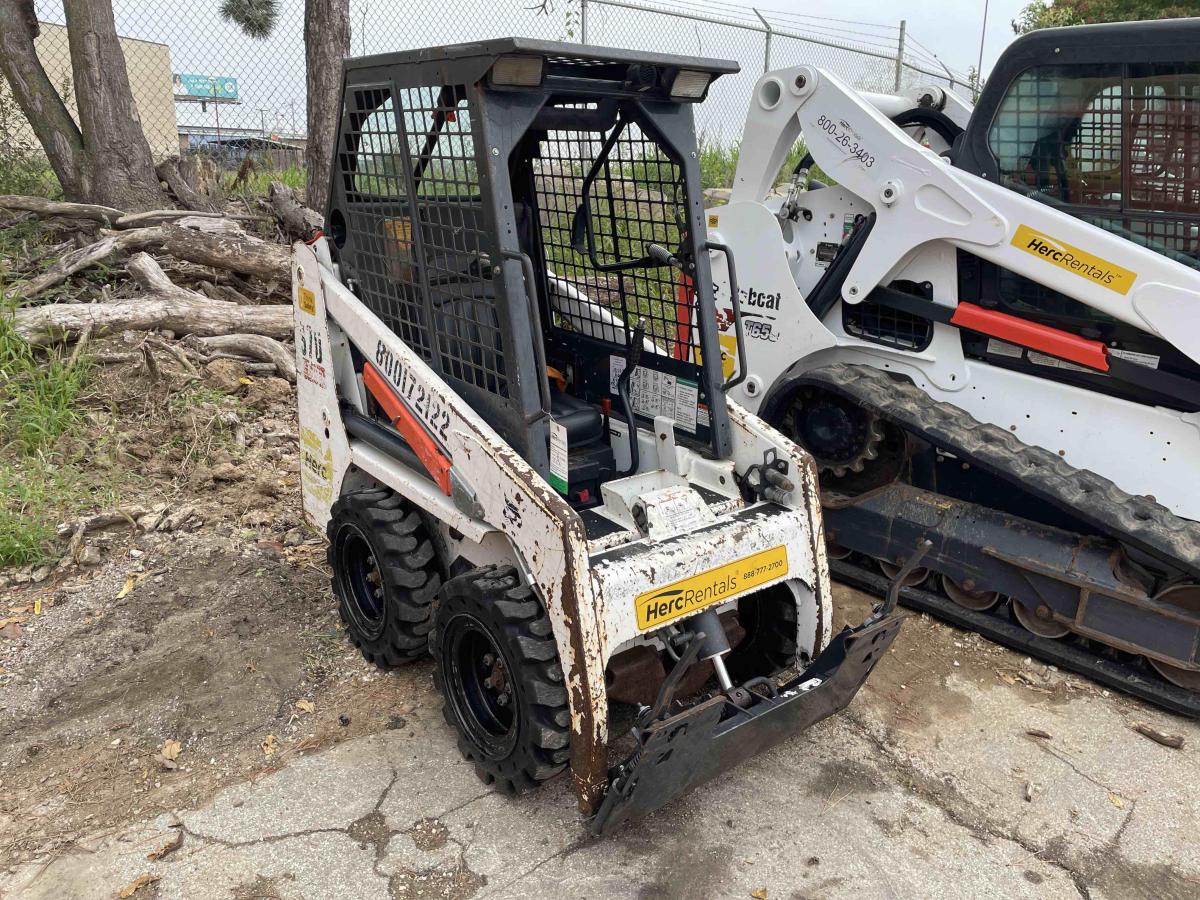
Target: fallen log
{"type": "Point", "coordinates": [251, 346]}
{"type": "Point", "coordinates": [87, 256]}
{"type": "Point", "coordinates": [160, 217]}
{"type": "Point", "coordinates": [239, 253]}
{"type": "Point", "coordinates": [299, 222]}
{"type": "Point", "coordinates": [162, 304]}
{"type": "Point", "coordinates": [43, 207]}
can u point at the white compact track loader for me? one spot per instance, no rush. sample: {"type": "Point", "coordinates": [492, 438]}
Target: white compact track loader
{"type": "Point", "coordinates": [984, 324]}
{"type": "Point", "coordinates": [516, 434]}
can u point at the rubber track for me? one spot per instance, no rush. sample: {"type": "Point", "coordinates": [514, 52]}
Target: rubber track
{"type": "Point", "coordinates": [1122, 673]}
{"type": "Point", "coordinates": [1134, 520]}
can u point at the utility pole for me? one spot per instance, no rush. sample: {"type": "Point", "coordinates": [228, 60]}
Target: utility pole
{"type": "Point", "coordinates": [263, 113]}
{"type": "Point", "coordinates": [900, 54]}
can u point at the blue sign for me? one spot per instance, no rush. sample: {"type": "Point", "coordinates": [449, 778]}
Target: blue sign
{"type": "Point", "coordinates": [216, 87]}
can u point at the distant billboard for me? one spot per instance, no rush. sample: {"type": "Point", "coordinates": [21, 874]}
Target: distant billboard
{"type": "Point", "coordinates": [188, 86]}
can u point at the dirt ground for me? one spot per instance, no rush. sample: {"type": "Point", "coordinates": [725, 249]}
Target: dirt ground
{"type": "Point", "coordinates": [183, 681]}
{"type": "Point", "coordinates": [208, 623]}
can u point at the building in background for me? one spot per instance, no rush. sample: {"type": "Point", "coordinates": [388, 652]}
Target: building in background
{"type": "Point", "coordinates": [149, 66]}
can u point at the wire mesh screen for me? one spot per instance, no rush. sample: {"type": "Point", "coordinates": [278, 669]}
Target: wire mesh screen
{"type": "Point", "coordinates": [1163, 115]}
{"type": "Point", "coordinates": [884, 325]}
{"type": "Point", "coordinates": [202, 85]}
{"type": "Point", "coordinates": [420, 254]}
{"type": "Point", "coordinates": [1120, 147]}
{"type": "Point", "coordinates": [371, 166]}
{"type": "Point", "coordinates": [634, 198]}
{"type": "Point", "coordinates": [453, 235]}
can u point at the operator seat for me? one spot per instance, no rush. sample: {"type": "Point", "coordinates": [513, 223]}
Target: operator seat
{"type": "Point", "coordinates": [583, 421]}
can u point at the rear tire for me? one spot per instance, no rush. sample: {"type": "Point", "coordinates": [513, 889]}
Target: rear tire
{"type": "Point", "coordinates": [385, 575]}
{"type": "Point", "coordinates": [496, 664]}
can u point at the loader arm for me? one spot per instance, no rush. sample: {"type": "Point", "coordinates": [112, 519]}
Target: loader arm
{"type": "Point", "coordinates": [918, 198]}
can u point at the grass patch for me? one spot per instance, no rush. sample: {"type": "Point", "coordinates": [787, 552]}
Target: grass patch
{"type": "Point", "coordinates": [39, 492]}
{"type": "Point", "coordinates": [37, 406]}
{"type": "Point", "coordinates": [258, 179]}
{"type": "Point", "coordinates": [37, 397]}
{"type": "Point", "coordinates": [27, 172]}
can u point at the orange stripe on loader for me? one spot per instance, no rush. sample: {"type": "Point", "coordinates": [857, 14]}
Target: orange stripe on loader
{"type": "Point", "coordinates": [413, 432]}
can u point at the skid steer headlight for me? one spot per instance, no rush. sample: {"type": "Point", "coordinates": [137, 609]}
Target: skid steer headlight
{"type": "Point", "coordinates": [520, 71]}
{"type": "Point", "coordinates": [690, 84]}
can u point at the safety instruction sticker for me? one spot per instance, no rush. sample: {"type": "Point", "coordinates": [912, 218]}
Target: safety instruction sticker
{"type": "Point", "coordinates": [1042, 359]}
{"type": "Point", "coordinates": [656, 393]}
{"type": "Point", "coordinates": [997, 347]}
{"type": "Point", "coordinates": [1149, 360]}
{"type": "Point", "coordinates": [1073, 260]}
{"type": "Point", "coordinates": [689, 595]}
{"type": "Point", "coordinates": [558, 457]}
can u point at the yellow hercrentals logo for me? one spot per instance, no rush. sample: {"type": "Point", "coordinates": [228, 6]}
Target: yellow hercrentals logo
{"type": "Point", "coordinates": [1072, 259]}
{"type": "Point", "coordinates": [688, 595]}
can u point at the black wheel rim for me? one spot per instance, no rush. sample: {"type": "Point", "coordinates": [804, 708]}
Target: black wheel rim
{"type": "Point", "coordinates": [479, 686]}
{"type": "Point", "coordinates": [832, 430]}
{"type": "Point", "coordinates": [361, 581]}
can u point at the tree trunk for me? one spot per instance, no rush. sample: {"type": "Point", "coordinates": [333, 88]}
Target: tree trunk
{"type": "Point", "coordinates": [170, 171]}
{"type": "Point", "coordinates": [326, 43]}
{"type": "Point", "coordinates": [48, 116]}
{"type": "Point", "coordinates": [118, 161]}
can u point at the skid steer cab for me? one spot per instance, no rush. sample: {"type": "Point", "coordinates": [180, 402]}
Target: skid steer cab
{"type": "Point", "coordinates": [514, 427]}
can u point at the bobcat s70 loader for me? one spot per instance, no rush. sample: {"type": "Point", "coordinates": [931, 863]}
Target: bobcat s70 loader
{"type": "Point", "coordinates": [522, 466]}
{"type": "Point", "coordinates": [986, 330]}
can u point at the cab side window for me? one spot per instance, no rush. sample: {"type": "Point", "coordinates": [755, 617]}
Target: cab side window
{"type": "Point", "coordinates": [1117, 145]}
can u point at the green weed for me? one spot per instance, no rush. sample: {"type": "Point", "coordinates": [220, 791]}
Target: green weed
{"type": "Point", "coordinates": [255, 184]}
{"type": "Point", "coordinates": [718, 163]}
{"type": "Point", "coordinates": [37, 406]}
{"type": "Point", "coordinates": [39, 492]}
{"type": "Point", "coordinates": [37, 397]}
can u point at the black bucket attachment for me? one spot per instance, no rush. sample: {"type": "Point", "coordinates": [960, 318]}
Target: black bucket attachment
{"type": "Point", "coordinates": [677, 753]}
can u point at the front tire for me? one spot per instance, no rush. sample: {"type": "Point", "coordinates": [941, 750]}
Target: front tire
{"type": "Point", "coordinates": [770, 621]}
{"type": "Point", "coordinates": [497, 667]}
{"type": "Point", "coordinates": [385, 575]}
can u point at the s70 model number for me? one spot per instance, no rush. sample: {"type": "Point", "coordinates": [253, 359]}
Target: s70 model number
{"type": "Point", "coordinates": [846, 140]}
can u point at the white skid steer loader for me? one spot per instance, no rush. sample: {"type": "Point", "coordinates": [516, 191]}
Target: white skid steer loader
{"type": "Point", "coordinates": [986, 330]}
{"type": "Point", "coordinates": [494, 282]}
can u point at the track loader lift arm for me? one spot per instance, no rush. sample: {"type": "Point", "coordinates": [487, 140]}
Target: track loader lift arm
{"type": "Point", "coordinates": [918, 197]}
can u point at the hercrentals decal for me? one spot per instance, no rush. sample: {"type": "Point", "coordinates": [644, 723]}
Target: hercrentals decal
{"type": "Point", "coordinates": [1076, 261]}
{"type": "Point", "coordinates": [689, 595]}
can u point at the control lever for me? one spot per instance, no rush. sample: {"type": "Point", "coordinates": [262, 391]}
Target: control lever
{"type": "Point", "coordinates": [633, 356]}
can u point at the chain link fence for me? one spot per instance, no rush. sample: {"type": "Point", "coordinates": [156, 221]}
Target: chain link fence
{"type": "Point", "coordinates": [202, 85]}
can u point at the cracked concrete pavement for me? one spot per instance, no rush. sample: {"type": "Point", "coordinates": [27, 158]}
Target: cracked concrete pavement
{"type": "Point", "coordinates": [919, 790]}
